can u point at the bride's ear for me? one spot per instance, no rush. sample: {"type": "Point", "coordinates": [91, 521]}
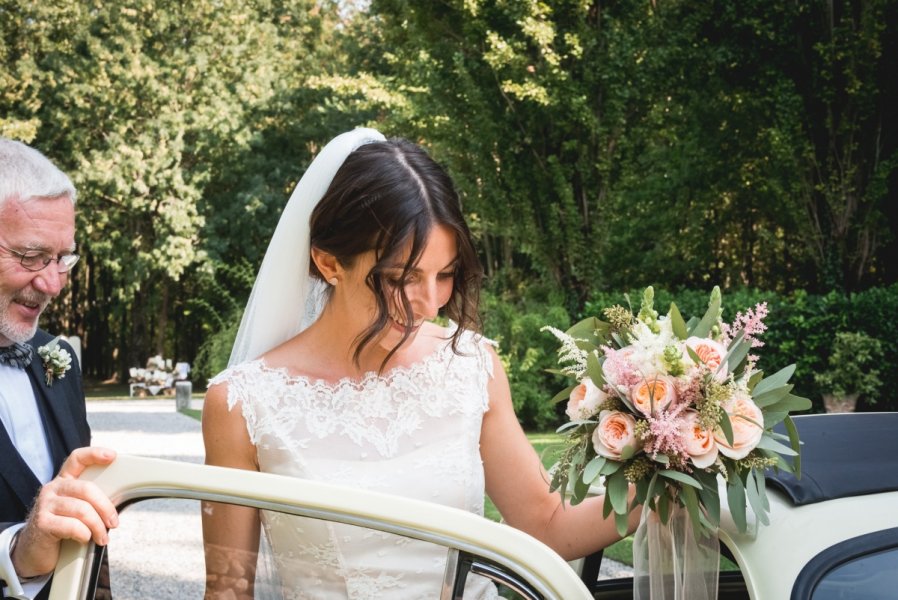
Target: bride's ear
{"type": "Point", "coordinates": [327, 264]}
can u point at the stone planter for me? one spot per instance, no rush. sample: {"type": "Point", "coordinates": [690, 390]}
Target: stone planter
{"type": "Point", "coordinates": [839, 404]}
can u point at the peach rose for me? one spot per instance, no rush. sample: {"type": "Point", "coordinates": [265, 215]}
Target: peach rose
{"type": "Point", "coordinates": [711, 353]}
{"type": "Point", "coordinates": [614, 433]}
{"type": "Point", "coordinates": [656, 392]}
{"type": "Point", "coordinates": [585, 400]}
{"type": "Point", "coordinates": [698, 441]}
{"type": "Point", "coordinates": [747, 421]}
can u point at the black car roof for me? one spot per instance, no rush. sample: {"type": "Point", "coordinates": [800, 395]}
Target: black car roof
{"type": "Point", "coordinates": [842, 455]}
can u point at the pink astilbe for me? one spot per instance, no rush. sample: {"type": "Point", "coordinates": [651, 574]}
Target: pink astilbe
{"type": "Point", "coordinates": [752, 323]}
{"type": "Point", "coordinates": [665, 434]}
{"type": "Point", "coordinates": [618, 369]}
{"type": "Point", "coordinates": [689, 388]}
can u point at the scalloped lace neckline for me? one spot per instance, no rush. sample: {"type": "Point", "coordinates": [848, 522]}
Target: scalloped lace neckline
{"type": "Point", "coordinates": [369, 379]}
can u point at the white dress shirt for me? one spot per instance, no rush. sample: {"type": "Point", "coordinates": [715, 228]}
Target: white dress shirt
{"type": "Point", "coordinates": [20, 417]}
{"type": "Point", "coordinates": [22, 421]}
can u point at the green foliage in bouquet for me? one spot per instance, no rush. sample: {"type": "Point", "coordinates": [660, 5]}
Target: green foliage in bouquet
{"type": "Point", "coordinates": [670, 406]}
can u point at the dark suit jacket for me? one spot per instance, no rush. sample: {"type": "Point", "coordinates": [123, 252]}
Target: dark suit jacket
{"type": "Point", "coordinates": [63, 413]}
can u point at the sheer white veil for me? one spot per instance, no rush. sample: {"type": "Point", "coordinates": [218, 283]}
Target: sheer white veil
{"type": "Point", "coordinates": [285, 299]}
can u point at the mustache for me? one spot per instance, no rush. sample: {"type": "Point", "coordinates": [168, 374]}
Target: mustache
{"type": "Point", "coordinates": [41, 300]}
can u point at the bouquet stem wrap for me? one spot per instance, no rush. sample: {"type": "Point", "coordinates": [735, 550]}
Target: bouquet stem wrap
{"type": "Point", "coordinates": [670, 562]}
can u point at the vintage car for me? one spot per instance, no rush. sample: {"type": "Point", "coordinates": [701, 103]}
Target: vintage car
{"type": "Point", "coordinates": [833, 534]}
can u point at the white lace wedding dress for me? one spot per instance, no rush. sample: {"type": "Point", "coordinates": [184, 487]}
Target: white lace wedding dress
{"type": "Point", "coordinates": [414, 432]}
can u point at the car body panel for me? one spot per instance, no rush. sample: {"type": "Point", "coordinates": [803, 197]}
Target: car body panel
{"type": "Point", "coordinates": [131, 478]}
{"type": "Point", "coordinates": [770, 571]}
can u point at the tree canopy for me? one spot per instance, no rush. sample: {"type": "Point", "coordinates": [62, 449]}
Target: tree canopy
{"type": "Point", "coordinates": [596, 145]}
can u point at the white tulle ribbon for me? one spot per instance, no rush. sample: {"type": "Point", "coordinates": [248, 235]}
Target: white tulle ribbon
{"type": "Point", "coordinates": [670, 562]}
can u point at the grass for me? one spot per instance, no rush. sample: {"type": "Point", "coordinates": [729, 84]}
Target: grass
{"type": "Point", "coordinates": [192, 412]}
{"type": "Point", "coordinates": [99, 390]}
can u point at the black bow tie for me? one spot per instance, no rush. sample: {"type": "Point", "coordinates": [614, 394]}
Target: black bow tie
{"type": "Point", "coordinates": [17, 355]}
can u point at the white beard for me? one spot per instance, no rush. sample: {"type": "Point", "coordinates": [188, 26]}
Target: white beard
{"type": "Point", "coordinates": [14, 332]}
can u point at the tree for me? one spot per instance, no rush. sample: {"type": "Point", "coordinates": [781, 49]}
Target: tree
{"type": "Point", "coordinates": [143, 104]}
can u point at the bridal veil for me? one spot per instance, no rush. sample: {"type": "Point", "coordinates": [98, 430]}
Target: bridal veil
{"type": "Point", "coordinates": [285, 299]}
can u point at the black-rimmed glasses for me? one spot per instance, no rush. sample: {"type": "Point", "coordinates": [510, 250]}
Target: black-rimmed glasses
{"type": "Point", "coordinates": [38, 261]}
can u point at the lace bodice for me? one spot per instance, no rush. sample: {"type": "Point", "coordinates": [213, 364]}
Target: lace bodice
{"type": "Point", "coordinates": [413, 432]}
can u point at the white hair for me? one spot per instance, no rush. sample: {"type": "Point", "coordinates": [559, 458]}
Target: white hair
{"type": "Point", "coordinates": [26, 173]}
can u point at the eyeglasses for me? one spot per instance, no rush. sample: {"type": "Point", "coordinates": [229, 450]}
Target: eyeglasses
{"type": "Point", "coordinates": [38, 261]}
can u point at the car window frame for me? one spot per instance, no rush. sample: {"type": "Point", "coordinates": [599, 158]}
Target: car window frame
{"type": "Point", "coordinates": [839, 554]}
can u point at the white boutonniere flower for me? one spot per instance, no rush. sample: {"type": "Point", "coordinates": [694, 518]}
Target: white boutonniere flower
{"type": "Point", "coordinates": [57, 360]}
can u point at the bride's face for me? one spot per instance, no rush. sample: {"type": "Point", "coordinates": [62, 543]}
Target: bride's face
{"type": "Point", "coordinates": [428, 287]}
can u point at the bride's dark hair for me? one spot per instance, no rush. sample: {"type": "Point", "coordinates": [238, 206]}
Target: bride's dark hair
{"type": "Point", "coordinates": [388, 196]}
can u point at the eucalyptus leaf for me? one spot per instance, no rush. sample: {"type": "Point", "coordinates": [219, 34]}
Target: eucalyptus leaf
{"type": "Point", "coordinates": [663, 508]}
{"type": "Point", "coordinates": [773, 417]}
{"type": "Point", "coordinates": [581, 489]}
{"type": "Point", "coordinates": [779, 378]}
{"type": "Point", "coordinates": [761, 481]}
{"type": "Point", "coordinates": [736, 501]}
{"type": "Point", "coordinates": [593, 469]}
{"type": "Point", "coordinates": [568, 425]}
{"type": "Point", "coordinates": [586, 329]}
{"type": "Point", "coordinates": [622, 523]}
{"type": "Point", "coordinates": [610, 467]}
{"type": "Point", "coordinates": [694, 355]}
{"type": "Point", "coordinates": [690, 501]}
{"type": "Point", "coordinates": [754, 380]}
{"type": "Point", "coordinates": [754, 499]}
{"type": "Point", "coordinates": [735, 356]}
{"type": "Point", "coordinates": [563, 394]}
{"type": "Point", "coordinates": [736, 340]}
{"type": "Point", "coordinates": [586, 345]}
{"type": "Point", "coordinates": [709, 320]}
{"type": "Point", "coordinates": [791, 403]}
{"type": "Point", "coordinates": [680, 477]}
{"type": "Point", "coordinates": [617, 488]}
{"type": "Point", "coordinates": [795, 443]}
{"type": "Point", "coordinates": [594, 369]}
{"type": "Point", "coordinates": [642, 491]}
{"type": "Point", "coordinates": [650, 491]}
{"type": "Point", "coordinates": [726, 426]}
{"type": "Point", "coordinates": [618, 340]}
{"type": "Point", "coordinates": [773, 396]}
{"type": "Point", "coordinates": [677, 323]}
{"type": "Point", "coordinates": [782, 464]}
{"type": "Point", "coordinates": [710, 496]}
{"type": "Point", "coordinates": [607, 509]}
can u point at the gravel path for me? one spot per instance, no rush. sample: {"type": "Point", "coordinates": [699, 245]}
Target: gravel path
{"type": "Point", "coordinates": [157, 551]}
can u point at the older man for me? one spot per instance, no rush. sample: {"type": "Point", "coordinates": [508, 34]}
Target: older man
{"type": "Point", "coordinates": [41, 401]}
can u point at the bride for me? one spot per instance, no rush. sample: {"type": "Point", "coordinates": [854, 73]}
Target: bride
{"type": "Point", "coordinates": [339, 374]}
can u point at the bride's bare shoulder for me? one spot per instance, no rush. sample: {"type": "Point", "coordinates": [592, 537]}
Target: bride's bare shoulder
{"type": "Point", "coordinates": [297, 355]}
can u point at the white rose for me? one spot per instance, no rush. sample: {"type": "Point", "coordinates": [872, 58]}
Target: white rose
{"type": "Point", "coordinates": [585, 401]}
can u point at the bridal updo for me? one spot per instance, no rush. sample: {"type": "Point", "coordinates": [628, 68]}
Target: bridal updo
{"type": "Point", "coordinates": [387, 197]}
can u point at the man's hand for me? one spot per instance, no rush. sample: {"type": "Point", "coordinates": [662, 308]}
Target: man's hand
{"type": "Point", "coordinates": [65, 509]}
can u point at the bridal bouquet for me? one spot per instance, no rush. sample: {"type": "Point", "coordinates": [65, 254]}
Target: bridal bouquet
{"type": "Point", "coordinates": [673, 406]}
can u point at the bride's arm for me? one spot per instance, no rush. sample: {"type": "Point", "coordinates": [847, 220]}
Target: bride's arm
{"type": "Point", "coordinates": [230, 533]}
{"type": "Point", "coordinates": [518, 484]}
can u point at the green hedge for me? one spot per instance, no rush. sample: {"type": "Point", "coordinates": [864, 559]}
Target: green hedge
{"type": "Point", "coordinates": [801, 330]}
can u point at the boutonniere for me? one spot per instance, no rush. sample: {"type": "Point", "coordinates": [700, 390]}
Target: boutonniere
{"type": "Point", "coordinates": [57, 360]}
